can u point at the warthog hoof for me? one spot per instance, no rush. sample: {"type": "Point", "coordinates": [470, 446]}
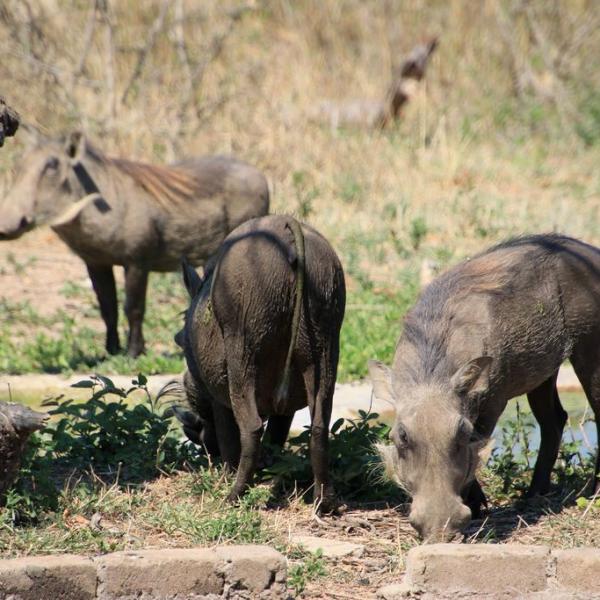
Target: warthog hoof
{"type": "Point", "coordinates": [113, 347]}
{"type": "Point", "coordinates": [135, 350]}
{"type": "Point", "coordinates": [328, 505]}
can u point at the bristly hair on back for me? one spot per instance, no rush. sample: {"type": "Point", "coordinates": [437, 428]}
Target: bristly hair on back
{"type": "Point", "coordinates": [169, 186]}
{"type": "Point", "coordinates": [427, 325]}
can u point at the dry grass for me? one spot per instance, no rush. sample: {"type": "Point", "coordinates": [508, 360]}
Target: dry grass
{"type": "Point", "coordinates": [488, 148]}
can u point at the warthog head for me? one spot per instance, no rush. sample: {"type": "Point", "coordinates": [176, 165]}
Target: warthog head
{"type": "Point", "coordinates": [47, 188]}
{"type": "Point", "coordinates": [194, 413]}
{"type": "Point", "coordinates": [434, 451]}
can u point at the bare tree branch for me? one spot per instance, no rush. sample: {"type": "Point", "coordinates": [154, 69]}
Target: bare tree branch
{"type": "Point", "coordinates": [198, 72]}
{"type": "Point", "coordinates": [88, 36]}
{"type": "Point", "coordinates": [143, 53]}
{"type": "Point", "coordinates": [109, 60]}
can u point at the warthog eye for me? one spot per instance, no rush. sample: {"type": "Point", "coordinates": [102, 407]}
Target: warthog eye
{"type": "Point", "coordinates": [52, 164]}
{"type": "Point", "coordinates": [399, 437]}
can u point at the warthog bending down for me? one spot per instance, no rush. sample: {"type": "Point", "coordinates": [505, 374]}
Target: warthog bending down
{"type": "Point", "coordinates": [491, 328]}
{"type": "Point", "coordinates": [118, 212]}
{"type": "Point", "coordinates": [261, 341]}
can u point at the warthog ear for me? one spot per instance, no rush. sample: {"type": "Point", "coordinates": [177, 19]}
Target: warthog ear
{"type": "Point", "coordinates": [75, 145]}
{"type": "Point", "coordinates": [191, 279]}
{"type": "Point", "coordinates": [381, 378]}
{"type": "Point", "coordinates": [472, 377]}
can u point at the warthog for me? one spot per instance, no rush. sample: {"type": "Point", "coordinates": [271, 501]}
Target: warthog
{"type": "Point", "coordinates": [380, 113]}
{"type": "Point", "coordinates": [492, 328]}
{"type": "Point", "coordinates": [113, 211]}
{"type": "Point", "coordinates": [9, 121]}
{"type": "Point", "coordinates": [261, 341]}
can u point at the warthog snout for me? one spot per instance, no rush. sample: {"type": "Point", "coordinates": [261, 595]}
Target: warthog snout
{"type": "Point", "coordinates": [11, 231]}
{"type": "Point", "coordinates": [439, 525]}
{"type": "Point", "coordinates": [179, 338]}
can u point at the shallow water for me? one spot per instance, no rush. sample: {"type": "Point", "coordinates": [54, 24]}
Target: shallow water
{"type": "Point", "coordinates": [579, 428]}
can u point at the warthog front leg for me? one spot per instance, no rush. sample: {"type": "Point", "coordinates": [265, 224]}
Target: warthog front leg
{"type": "Point", "coordinates": [103, 282]}
{"type": "Point", "coordinates": [474, 498]}
{"type": "Point", "coordinates": [228, 435]}
{"type": "Point", "coordinates": [278, 428]}
{"type": "Point", "coordinates": [586, 362]}
{"type": "Point", "coordinates": [549, 413]}
{"type": "Point", "coordinates": [136, 282]}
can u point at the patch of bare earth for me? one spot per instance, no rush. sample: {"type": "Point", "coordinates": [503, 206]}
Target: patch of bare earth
{"type": "Point", "coordinates": [382, 535]}
{"type": "Point", "coordinates": [35, 269]}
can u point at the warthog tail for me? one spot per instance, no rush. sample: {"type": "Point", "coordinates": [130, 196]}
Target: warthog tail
{"type": "Point", "coordinates": [296, 229]}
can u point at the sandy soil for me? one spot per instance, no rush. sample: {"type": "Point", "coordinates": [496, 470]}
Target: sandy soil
{"type": "Point", "coordinates": [36, 267]}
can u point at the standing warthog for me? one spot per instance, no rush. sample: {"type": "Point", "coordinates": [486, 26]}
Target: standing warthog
{"type": "Point", "coordinates": [113, 211]}
{"type": "Point", "coordinates": [261, 341]}
{"type": "Point", "coordinates": [491, 328]}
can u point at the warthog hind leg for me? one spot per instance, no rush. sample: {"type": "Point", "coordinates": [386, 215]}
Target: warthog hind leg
{"type": "Point", "coordinates": [320, 404]}
{"type": "Point", "coordinates": [243, 402]}
{"type": "Point", "coordinates": [549, 413]}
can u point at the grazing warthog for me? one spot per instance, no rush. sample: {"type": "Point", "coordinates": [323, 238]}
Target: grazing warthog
{"type": "Point", "coordinates": [492, 328]}
{"type": "Point", "coordinates": [261, 341]}
{"type": "Point", "coordinates": [113, 211]}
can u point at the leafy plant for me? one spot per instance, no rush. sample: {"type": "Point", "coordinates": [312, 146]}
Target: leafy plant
{"type": "Point", "coordinates": [353, 462]}
{"type": "Point", "coordinates": [108, 435]}
{"type": "Point", "coordinates": [311, 568]}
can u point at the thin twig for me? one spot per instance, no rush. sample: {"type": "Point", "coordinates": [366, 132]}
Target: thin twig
{"type": "Point", "coordinates": [88, 36]}
{"type": "Point", "coordinates": [144, 52]}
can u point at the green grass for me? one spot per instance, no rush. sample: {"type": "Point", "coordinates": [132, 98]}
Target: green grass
{"type": "Point", "coordinates": [372, 325]}
{"type": "Point", "coordinates": [312, 567]}
{"type": "Point", "coordinates": [60, 343]}
{"type": "Point", "coordinates": [126, 462]}
{"type": "Point", "coordinates": [110, 474]}
{"type": "Point", "coordinates": [109, 457]}
{"type": "Point", "coordinates": [30, 343]}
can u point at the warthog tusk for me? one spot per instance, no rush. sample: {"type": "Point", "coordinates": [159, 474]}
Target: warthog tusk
{"type": "Point", "coordinates": [72, 211]}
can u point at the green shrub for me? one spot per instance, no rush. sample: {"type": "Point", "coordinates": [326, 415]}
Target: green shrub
{"type": "Point", "coordinates": [109, 435]}
{"type": "Point", "coordinates": [354, 465]}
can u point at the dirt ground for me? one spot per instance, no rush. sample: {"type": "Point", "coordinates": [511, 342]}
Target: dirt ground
{"type": "Point", "coordinates": [36, 267]}
{"type": "Point", "coordinates": [385, 536]}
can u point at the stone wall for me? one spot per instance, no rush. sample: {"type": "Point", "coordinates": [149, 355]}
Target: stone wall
{"type": "Point", "coordinates": [498, 571]}
{"type": "Point", "coordinates": [233, 572]}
